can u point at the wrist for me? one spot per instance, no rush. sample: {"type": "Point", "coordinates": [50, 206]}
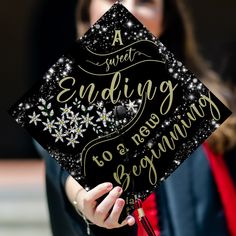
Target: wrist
{"type": "Point", "coordinates": [72, 189]}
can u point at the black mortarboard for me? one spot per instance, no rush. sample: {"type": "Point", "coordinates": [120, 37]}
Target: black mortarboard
{"type": "Point", "coordinates": [119, 107]}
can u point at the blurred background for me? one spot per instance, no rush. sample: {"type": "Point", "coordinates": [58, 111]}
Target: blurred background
{"type": "Point", "coordinates": [34, 33]}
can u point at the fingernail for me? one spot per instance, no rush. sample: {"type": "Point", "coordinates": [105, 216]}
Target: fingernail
{"type": "Point", "coordinates": [130, 220]}
{"type": "Point", "coordinates": [109, 186]}
{"type": "Point", "coordinates": [121, 203]}
{"type": "Point", "coordinates": [129, 217]}
{"type": "Point", "coordinates": [118, 189]}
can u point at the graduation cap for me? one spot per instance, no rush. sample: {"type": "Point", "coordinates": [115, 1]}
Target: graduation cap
{"type": "Point", "coordinates": [119, 107]}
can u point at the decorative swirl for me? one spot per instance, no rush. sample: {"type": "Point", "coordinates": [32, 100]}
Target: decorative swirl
{"type": "Point", "coordinates": [104, 63]}
{"type": "Point", "coordinates": [111, 73]}
{"type": "Point", "coordinates": [128, 46]}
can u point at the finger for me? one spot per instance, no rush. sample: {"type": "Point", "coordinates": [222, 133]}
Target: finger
{"type": "Point", "coordinates": [105, 206]}
{"type": "Point", "coordinates": [130, 220]}
{"type": "Point", "coordinates": [112, 220]}
{"type": "Point", "coordinates": [98, 192]}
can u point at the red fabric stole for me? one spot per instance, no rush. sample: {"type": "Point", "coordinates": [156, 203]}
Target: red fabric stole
{"type": "Point", "coordinates": [225, 186]}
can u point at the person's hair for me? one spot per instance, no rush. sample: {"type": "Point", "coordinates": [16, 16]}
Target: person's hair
{"type": "Point", "coordinates": [178, 37]}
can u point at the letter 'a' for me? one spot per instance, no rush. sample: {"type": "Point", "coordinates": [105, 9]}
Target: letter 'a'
{"type": "Point", "coordinates": [117, 38]}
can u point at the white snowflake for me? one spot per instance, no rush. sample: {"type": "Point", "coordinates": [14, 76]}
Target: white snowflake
{"type": "Point", "coordinates": [49, 125]}
{"type": "Point", "coordinates": [62, 122]}
{"type": "Point", "coordinates": [66, 110]}
{"type": "Point", "coordinates": [67, 132]}
{"type": "Point", "coordinates": [131, 106]}
{"type": "Point", "coordinates": [104, 117]}
{"type": "Point", "coordinates": [74, 119]}
{"type": "Point", "coordinates": [99, 105]}
{"type": "Point", "coordinates": [87, 120]}
{"type": "Point", "coordinates": [79, 130]}
{"type": "Point", "coordinates": [72, 129]}
{"type": "Point", "coordinates": [34, 118]}
{"type": "Point", "coordinates": [72, 140]}
{"type": "Point", "coordinates": [59, 135]}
